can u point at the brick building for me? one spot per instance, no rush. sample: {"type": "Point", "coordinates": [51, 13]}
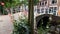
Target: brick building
{"type": "Point", "coordinates": [49, 7]}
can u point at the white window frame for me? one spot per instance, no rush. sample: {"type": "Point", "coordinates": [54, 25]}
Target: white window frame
{"type": "Point", "coordinates": [41, 8]}
{"type": "Point", "coordinates": [44, 10]}
{"type": "Point", "coordinates": [56, 10]}
{"type": "Point", "coordinates": [47, 10]}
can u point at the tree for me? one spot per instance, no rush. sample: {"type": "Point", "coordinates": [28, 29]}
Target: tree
{"type": "Point", "coordinates": [35, 2]}
{"type": "Point", "coordinates": [10, 3]}
{"type": "Point", "coordinates": [31, 16]}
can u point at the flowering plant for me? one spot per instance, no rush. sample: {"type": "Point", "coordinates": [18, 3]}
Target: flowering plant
{"type": "Point", "coordinates": [21, 26]}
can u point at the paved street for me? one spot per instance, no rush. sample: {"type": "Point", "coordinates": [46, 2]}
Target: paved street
{"type": "Point", "coordinates": [6, 26]}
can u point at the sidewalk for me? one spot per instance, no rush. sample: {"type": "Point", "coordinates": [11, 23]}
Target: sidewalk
{"type": "Point", "coordinates": [6, 26]}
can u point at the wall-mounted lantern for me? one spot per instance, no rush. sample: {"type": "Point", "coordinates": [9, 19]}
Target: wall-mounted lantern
{"type": "Point", "coordinates": [50, 18]}
{"type": "Point", "coordinates": [2, 3]}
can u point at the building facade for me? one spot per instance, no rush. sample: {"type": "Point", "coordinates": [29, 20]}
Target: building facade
{"type": "Point", "coordinates": [49, 7]}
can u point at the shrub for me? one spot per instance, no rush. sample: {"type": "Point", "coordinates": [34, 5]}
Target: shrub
{"type": "Point", "coordinates": [21, 26]}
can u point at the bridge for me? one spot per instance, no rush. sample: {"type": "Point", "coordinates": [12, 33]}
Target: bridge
{"type": "Point", "coordinates": [54, 21]}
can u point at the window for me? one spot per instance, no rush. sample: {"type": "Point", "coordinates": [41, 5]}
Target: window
{"type": "Point", "coordinates": [46, 11]}
{"type": "Point", "coordinates": [43, 3]}
{"type": "Point", "coordinates": [40, 3]}
{"type": "Point", "coordinates": [42, 10]}
{"type": "Point", "coordinates": [38, 11]}
{"type": "Point", "coordinates": [54, 1]}
{"type": "Point", "coordinates": [53, 10]}
{"type": "Point", "coordinates": [50, 9]}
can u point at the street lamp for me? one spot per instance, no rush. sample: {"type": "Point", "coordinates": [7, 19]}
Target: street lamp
{"type": "Point", "coordinates": [22, 4]}
{"type": "Point", "coordinates": [50, 18]}
{"type": "Point", "coordinates": [2, 4]}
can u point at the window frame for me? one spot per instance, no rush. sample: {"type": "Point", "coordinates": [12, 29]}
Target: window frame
{"type": "Point", "coordinates": [54, 10]}
{"type": "Point", "coordinates": [43, 2]}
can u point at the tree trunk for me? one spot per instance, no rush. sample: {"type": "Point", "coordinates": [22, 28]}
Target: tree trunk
{"type": "Point", "coordinates": [31, 16]}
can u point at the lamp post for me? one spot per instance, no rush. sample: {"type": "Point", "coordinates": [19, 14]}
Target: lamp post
{"type": "Point", "coordinates": [0, 9]}
{"type": "Point", "coordinates": [2, 4]}
{"type": "Point", "coordinates": [50, 18]}
{"type": "Point", "coordinates": [22, 4]}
